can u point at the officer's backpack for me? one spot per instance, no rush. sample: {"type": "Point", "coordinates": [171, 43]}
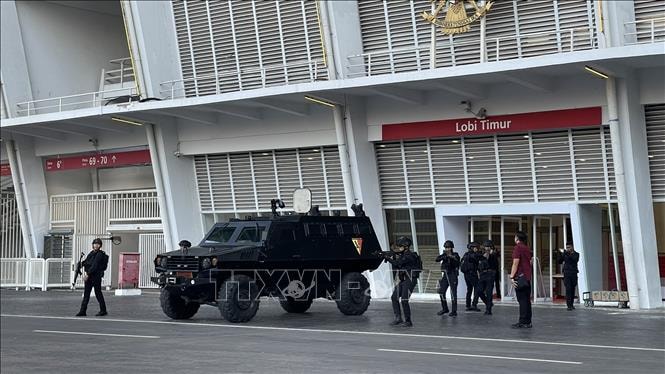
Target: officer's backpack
{"type": "Point", "coordinates": [466, 266]}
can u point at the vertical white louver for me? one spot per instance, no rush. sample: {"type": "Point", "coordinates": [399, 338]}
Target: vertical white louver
{"type": "Point", "coordinates": [418, 172]}
{"type": "Point", "coordinates": [554, 176]}
{"type": "Point", "coordinates": [655, 121]}
{"type": "Point", "coordinates": [589, 171]}
{"type": "Point", "coordinates": [387, 30]}
{"type": "Point", "coordinates": [569, 165]}
{"type": "Point", "coordinates": [235, 45]}
{"type": "Point", "coordinates": [481, 170]}
{"type": "Point", "coordinates": [241, 182]}
{"type": "Point", "coordinates": [645, 11]}
{"type": "Point", "coordinates": [515, 166]}
{"type": "Point", "coordinates": [447, 160]}
{"type": "Point", "coordinates": [391, 173]}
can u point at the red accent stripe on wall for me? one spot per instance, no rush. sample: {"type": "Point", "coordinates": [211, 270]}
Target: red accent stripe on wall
{"type": "Point", "coordinates": [523, 122]}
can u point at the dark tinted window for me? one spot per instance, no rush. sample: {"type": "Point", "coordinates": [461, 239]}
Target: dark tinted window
{"type": "Point", "coordinates": [221, 235]}
{"type": "Point", "coordinates": [250, 234]}
{"type": "Point", "coordinates": [365, 229]}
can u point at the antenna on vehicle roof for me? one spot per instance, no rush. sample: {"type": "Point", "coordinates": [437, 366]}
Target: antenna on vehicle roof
{"type": "Point", "coordinates": [315, 211]}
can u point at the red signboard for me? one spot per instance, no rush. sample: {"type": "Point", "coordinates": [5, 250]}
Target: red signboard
{"type": "Point", "coordinates": [99, 160]}
{"type": "Point", "coordinates": [523, 122]}
{"type": "Point", "coordinates": [5, 170]}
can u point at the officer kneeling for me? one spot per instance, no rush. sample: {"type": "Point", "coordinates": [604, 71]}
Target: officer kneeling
{"type": "Point", "coordinates": [407, 265]}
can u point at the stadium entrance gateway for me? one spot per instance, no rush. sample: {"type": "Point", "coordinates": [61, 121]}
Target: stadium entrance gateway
{"type": "Point", "coordinates": [548, 233]}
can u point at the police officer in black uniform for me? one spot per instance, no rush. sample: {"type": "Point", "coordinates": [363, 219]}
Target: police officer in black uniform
{"type": "Point", "coordinates": [495, 260]}
{"type": "Point", "coordinates": [450, 271]}
{"type": "Point", "coordinates": [94, 265]}
{"type": "Point", "coordinates": [405, 263]}
{"type": "Point", "coordinates": [569, 258]}
{"type": "Point", "coordinates": [486, 278]}
{"type": "Point", "coordinates": [469, 266]}
{"type": "Point", "coordinates": [185, 245]}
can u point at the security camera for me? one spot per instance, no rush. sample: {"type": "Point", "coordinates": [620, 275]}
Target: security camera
{"type": "Point", "coordinates": [94, 141]}
{"type": "Point", "coordinates": [466, 105]}
{"type": "Point", "coordinates": [177, 154]}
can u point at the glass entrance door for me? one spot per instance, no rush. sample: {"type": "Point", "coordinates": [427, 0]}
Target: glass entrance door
{"type": "Point", "coordinates": [543, 269]}
{"type": "Point", "coordinates": [509, 226]}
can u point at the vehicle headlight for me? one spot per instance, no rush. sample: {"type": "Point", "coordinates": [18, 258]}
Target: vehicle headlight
{"type": "Point", "coordinates": [214, 261]}
{"type": "Point", "coordinates": [206, 263]}
{"type": "Point", "coordinates": [162, 262]}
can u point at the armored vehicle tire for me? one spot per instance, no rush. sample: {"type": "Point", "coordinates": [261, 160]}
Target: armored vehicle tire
{"type": "Point", "coordinates": [238, 299]}
{"type": "Point", "coordinates": [175, 306]}
{"type": "Point", "coordinates": [352, 297]}
{"type": "Point", "coordinates": [292, 305]}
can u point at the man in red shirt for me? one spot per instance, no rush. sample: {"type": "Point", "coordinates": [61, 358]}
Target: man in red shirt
{"type": "Point", "coordinates": [522, 269]}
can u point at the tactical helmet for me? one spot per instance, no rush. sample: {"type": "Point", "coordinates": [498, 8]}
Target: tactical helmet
{"type": "Point", "coordinates": [97, 241]}
{"type": "Point", "coordinates": [472, 245]}
{"type": "Point", "coordinates": [449, 244]}
{"type": "Point", "coordinates": [185, 243]}
{"type": "Point", "coordinates": [488, 243]}
{"type": "Point", "coordinates": [403, 241]}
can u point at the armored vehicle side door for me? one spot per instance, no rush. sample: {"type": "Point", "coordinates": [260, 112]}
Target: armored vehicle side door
{"type": "Point", "coordinates": [284, 241]}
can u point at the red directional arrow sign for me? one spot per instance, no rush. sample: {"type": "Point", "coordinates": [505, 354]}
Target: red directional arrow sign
{"type": "Point", "coordinates": [99, 160]}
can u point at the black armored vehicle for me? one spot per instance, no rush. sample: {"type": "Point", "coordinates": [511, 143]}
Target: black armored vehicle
{"type": "Point", "coordinates": [293, 258]}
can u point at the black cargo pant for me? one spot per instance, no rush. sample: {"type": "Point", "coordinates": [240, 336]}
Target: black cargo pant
{"type": "Point", "coordinates": [570, 282]}
{"type": "Point", "coordinates": [524, 299]}
{"type": "Point", "coordinates": [402, 293]}
{"type": "Point", "coordinates": [471, 280]}
{"type": "Point", "coordinates": [445, 282]}
{"type": "Point", "coordinates": [90, 283]}
{"type": "Point", "coordinates": [484, 289]}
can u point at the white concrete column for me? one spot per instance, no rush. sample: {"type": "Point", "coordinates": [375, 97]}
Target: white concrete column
{"type": "Point", "coordinates": [457, 230]}
{"type": "Point", "coordinates": [342, 36]}
{"type": "Point", "coordinates": [175, 181]}
{"type": "Point", "coordinates": [586, 222]}
{"type": "Point", "coordinates": [31, 195]}
{"type": "Point", "coordinates": [365, 184]}
{"type": "Point", "coordinates": [641, 257]}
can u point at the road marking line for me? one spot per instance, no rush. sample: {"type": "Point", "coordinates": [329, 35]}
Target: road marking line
{"type": "Point", "coordinates": [376, 333]}
{"type": "Point", "coordinates": [96, 334]}
{"type": "Point", "coordinates": [482, 356]}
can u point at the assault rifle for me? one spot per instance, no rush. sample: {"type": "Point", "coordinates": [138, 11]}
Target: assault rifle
{"type": "Point", "coordinates": [77, 271]}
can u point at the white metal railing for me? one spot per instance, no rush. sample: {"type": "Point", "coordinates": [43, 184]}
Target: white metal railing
{"type": "Point", "coordinates": [134, 206]}
{"type": "Point", "coordinates": [71, 102]}
{"type": "Point", "coordinates": [13, 272]}
{"type": "Point", "coordinates": [644, 31]}
{"type": "Point", "coordinates": [123, 74]}
{"type": "Point", "coordinates": [497, 49]}
{"type": "Point", "coordinates": [244, 79]}
{"type": "Point", "coordinates": [35, 273]}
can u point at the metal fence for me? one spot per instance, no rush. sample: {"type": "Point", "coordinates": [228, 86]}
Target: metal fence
{"type": "Point", "coordinates": [35, 273]}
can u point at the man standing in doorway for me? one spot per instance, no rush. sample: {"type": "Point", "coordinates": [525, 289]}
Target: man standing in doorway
{"type": "Point", "coordinates": [94, 265]}
{"type": "Point", "coordinates": [520, 274]}
{"type": "Point", "coordinates": [569, 258]}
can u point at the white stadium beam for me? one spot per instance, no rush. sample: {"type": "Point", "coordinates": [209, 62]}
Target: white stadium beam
{"type": "Point", "coordinates": [403, 95]}
{"type": "Point", "coordinates": [114, 127]}
{"type": "Point", "coordinates": [467, 90]}
{"type": "Point", "coordinates": [531, 81]}
{"type": "Point", "coordinates": [191, 115]}
{"type": "Point", "coordinates": [300, 110]}
{"type": "Point", "coordinates": [244, 113]}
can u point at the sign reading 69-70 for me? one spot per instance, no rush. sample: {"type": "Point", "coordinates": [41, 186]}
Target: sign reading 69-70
{"type": "Point", "coordinates": [99, 160]}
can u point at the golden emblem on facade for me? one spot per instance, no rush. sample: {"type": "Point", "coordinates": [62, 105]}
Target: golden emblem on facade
{"type": "Point", "coordinates": [456, 20]}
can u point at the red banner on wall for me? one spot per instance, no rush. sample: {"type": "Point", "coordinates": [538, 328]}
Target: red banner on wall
{"type": "Point", "coordinates": [5, 170]}
{"type": "Point", "coordinates": [99, 160]}
{"type": "Point", "coordinates": [523, 122]}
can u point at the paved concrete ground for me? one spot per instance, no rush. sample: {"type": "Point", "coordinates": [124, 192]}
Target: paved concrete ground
{"type": "Point", "coordinates": [39, 335]}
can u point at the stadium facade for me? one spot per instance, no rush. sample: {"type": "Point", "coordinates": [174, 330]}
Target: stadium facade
{"type": "Point", "coordinates": [151, 120]}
